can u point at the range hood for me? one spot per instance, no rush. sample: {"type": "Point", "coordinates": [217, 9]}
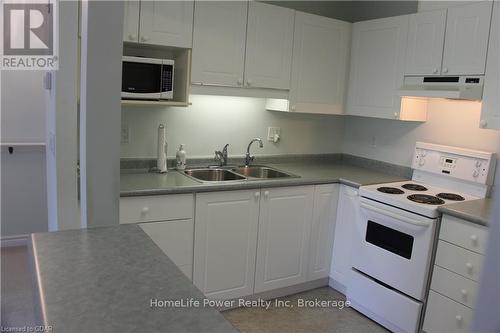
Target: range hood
{"type": "Point", "coordinates": [453, 87]}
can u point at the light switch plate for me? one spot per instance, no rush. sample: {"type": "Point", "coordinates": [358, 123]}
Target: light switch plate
{"type": "Point", "coordinates": [271, 131]}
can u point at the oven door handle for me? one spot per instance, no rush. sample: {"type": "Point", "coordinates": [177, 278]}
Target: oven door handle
{"type": "Point", "coordinates": [394, 215]}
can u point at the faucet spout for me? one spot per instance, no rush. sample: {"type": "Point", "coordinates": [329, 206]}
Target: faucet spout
{"type": "Point", "coordinates": [249, 158]}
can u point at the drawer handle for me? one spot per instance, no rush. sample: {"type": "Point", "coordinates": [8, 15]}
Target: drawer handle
{"type": "Point", "coordinates": [469, 267]}
{"type": "Point", "coordinates": [464, 293]}
{"type": "Point", "coordinates": [459, 320]}
{"type": "Point", "coordinates": [144, 210]}
{"type": "Point", "coordinates": [473, 238]}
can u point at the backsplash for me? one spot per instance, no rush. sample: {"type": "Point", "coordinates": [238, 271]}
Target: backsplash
{"type": "Point", "coordinates": [213, 121]}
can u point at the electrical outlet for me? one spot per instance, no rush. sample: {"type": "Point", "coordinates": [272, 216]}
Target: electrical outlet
{"type": "Point", "coordinates": [125, 134]}
{"type": "Point", "coordinates": [273, 134]}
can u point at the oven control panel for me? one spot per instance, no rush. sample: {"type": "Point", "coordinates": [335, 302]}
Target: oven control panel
{"type": "Point", "coordinates": [464, 164]}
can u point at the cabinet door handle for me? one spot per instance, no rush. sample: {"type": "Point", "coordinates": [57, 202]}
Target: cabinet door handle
{"type": "Point", "coordinates": [257, 195]}
{"type": "Point", "coordinates": [292, 108]}
{"type": "Point", "coordinates": [445, 70]}
{"type": "Point", "coordinates": [483, 123]}
{"type": "Point", "coordinates": [239, 82]}
{"type": "Point", "coordinates": [435, 71]}
{"type": "Point", "coordinates": [144, 38]}
{"type": "Point", "coordinates": [266, 194]}
{"type": "Point", "coordinates": [132, 37]}
{"type": "Point", "coordinates": [249, 82]}
{"type": "Point", "coordinates": [144, 210]}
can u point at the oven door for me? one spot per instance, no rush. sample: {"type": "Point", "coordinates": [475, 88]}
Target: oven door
{"type": "Point", "coordinates": [141, 78]}
{"type": "Point", "coordinates": [394, 246]}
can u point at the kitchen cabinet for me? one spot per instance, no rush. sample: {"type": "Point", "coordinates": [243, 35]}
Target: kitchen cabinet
{"type": "Point", "coordinates": [466, 41]}
{"type": "Point", "coordinates": [219, 38]}
{"type": "Point", "coordinates": [269, 46]}
{"type": "Point", "coordinates": [490, 111]}
{"type": "Point", "coordinates": [322, 230]}
{"type": "Point", "coordinates": [319, 66]}
{"type": "Point", "coordinates": [166, 23]}
{"type": "Point", "coordinates": [455, 276]}
{"type": "Point", "coordinates": [378, 57]}
{"type": "Point", "coordinates": [425, 43]}
{"type": "Point", "coordinates": [131, 21]}
{"type": "Point", "coordinates": [175, 239]}
{"type": "Point", "coordinates": [225, 243]}
{"type": "Point", "coordinates": [348, 211]}
{"type": "Point", "coordinates": [283, 239]}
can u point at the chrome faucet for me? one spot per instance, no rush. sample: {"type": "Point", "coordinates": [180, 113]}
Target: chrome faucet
{"type": "Point", "coordinates": [248, 157]}
{"type": "Point", "coordinates": [221, 156]}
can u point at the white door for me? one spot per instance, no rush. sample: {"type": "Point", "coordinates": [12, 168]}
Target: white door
{"type": "Point", "coordinates": [322, 230]}
{"type": "Point", "coordinates": [319, 65]}
{"type": "Point", "coordinates": [425, 43]}
{"type": "Point", "coordinates": [175, 239]}
{"type": "Point", "coordinates": [283, 242]}
{"type": "Point", "coordinates": [269, 46]}
{"type": "Point", "coordinates": [377, 67]}
{"type": "Point", "coordinates": [347, 215]}
{"type": "Point", "coordinates": [466, 41]}
{"type": "Point", "coordinates": [490, 112]}
{"type": "Point", "coordinates": [225, 243]}
{"type": "Point", "coordinates": [168, 23]}
{"type": "Point", "coordinates": [131, 21]}
{"type": "Point", "coordinates": [219, 38]}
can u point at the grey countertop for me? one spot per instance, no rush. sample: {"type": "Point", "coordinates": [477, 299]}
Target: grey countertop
{"type": "Point", "coordinates": [477, 211]}
{"type": "Point", "coordinates": [136, 184]}
{"type": "Point", "coordinates": [103, 279]}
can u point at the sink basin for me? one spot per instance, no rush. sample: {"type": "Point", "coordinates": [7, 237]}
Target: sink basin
{"type": "Point", "coordinates": [262, 172]}
{"type": "Point", "coordinates": [213, 175]}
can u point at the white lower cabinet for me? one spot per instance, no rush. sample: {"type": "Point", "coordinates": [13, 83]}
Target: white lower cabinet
{"type": "Point", "coordinates": [283, 242]}
{"type": "Point", "coordinates": [225, 243]}
{"type": "Point", "coordinates": [322, 230]}
{"type": "Point", "coordinates": [175, 239]}
{"type": "Point", "coordinates": [347, 213]}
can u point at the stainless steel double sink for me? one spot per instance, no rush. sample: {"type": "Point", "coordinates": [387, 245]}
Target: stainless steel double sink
{"type": "Point", "coordinates": [237, 173]}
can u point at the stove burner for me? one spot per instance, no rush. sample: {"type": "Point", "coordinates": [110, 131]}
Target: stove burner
{"type": "Point", "coordinates": [390, 190]}
{"type": "Point", "coordinates": [426, 199]}
{"type": "Point", "coordinates": [414, 187]}
{"type": "Point", "coordinates": [450, 196]}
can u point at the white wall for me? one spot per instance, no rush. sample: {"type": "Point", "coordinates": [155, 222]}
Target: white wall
{"type": "Point", "coordinates": [449, 122]}
{"type": "Point", "coordinates": [213, 121]}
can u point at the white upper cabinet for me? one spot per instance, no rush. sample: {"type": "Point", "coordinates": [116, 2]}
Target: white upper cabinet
{"type": "Point", "coordinates": [131, 21]}
{"type": "Point", "coordinates": [425, 43]}
{"type": "Point", "coordinates": [377, 67]}
{"type": "Point", "coordinates": [322, 230]}
{"type": "Point", "coordinates": [283, 238]}
{"type": "Point", "coordinates": [225, 243]}
{"type": "Point", "coordinates": [168, 23]}
{"type": "Point", "coordinates": [269, 46]}
{"type": "Point", "coordinates": [490, 113]}
{"type": "Point", "coordinates": [219, 38]}
{"type": "Point", "coordinates": [466, 41]}
{"type": "Point", "coordinates": [319, 66]}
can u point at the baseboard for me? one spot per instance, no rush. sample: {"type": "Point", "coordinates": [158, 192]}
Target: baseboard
{"type": "Point", "coordinates": [340, 287]}
{"type": "Point", "coordinates": [281, 292]}
{"type": "Point", "coordinates": [11, 241]}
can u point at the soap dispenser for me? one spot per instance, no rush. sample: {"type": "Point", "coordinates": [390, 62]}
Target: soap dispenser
{"type": "Point", "coordinates": [180, 156]}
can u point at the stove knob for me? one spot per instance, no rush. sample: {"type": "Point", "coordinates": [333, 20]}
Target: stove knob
{"type": "Point", "coordinates": [475, 174]}
{"type": "Point", "coordinates": [421, 162]}
{"type": "Point", "coordinates": [478, 163]}
{"type": "Point", "coordinates": [424, 152]}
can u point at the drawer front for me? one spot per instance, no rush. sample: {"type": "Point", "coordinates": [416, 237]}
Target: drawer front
{"type": "Point", "coordinates": [454, 286]}
{"type": "Point", "coordinates": [175, 238]}
{"type": "Point", "coordinates": [465, 234]}
{"type": "Point", "coordinates": [446, 315]}
{"type": "Point", "coordinates": [459, 260]}
{"type": "Point", "coordinates": [156, 208]}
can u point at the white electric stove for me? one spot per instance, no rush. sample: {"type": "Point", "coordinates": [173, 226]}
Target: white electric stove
{"type": "Point", "coordinates": [394, 240]}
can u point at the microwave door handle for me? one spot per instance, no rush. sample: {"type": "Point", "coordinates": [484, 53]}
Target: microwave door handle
{"type": "Point", "coordinates": [394, 215]}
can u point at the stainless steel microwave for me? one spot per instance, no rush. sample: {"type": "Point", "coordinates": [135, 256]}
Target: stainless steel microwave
{"type": "Point", "coordinates": [147, 78]}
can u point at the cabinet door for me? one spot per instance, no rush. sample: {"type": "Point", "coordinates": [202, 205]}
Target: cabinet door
{"type": "Point", "coordinates": [425, 43]}
{"type": "Point", "coordinates": [347, 213]}
{"type": "Point", "coordinates": [322, 230]}
{"type": "Point", "coordinates": [283, 242]}
{"type": "Point", "coordinates": [225, 243]}
{"type": "Point", "coordinates": [175, 239]}
{"type": "Point", "coordinates": [466, 41]}
{"type": "Point", "coordinates": [319, 66]}
{"type": "Point", "coordinates": [377, 67]}
{"type": "Point", "coordinates": [219, 38]}
{"type": "Point", "coordinates": [490, 112]}
{"type": "Point", "coordinates": [269, 46]}
{"type": "Point", "coordinates": [131, 21]}
{"type": "Point", "coordinates": [168, 23]}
